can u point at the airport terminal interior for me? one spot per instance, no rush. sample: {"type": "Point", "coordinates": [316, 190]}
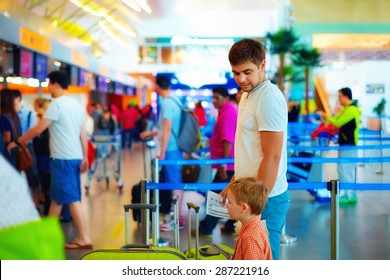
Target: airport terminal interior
{"type": "Point", "coordinates": [113, 50]}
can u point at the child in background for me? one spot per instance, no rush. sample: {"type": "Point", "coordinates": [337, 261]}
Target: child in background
{"type": "Point", "coordinates": [247, 197]}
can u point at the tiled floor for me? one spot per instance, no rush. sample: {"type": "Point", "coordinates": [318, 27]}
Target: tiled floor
{"type": "Point", "coordinates": [364, 227]}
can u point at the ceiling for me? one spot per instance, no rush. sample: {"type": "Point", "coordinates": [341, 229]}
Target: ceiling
{"type": "Point", "coordinates": [107, 25]}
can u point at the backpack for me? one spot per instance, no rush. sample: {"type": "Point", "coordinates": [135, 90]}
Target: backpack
{"type": "Point", "coordinates": [189, 138]}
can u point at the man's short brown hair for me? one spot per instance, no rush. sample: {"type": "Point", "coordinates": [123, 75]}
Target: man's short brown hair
{"type": "Point", "coordinates": [246, 50]}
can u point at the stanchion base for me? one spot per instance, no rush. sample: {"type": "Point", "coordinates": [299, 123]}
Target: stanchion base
{"type": "Point", "coordinates": [288, 239]}
{"type": "Point", "coordinates": [380, 172]}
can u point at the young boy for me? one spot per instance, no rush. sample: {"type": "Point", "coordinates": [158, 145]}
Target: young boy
{"type": "Point", "coordinates": [246, 199]}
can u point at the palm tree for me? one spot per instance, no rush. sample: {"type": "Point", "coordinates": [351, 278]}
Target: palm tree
{"type": "Point", "coordinates": [282, 42]}
{"type": "Point", "coordinates": [308, 58]}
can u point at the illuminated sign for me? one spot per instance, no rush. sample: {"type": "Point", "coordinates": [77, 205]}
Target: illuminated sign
{"type": "Point", "coordinates": [40, 67]}
{"type": "Point", "coordinates": [26, 62]}
{"type": "Point", "coordinates": [34, 40]}
{"type": "Point", "coordinates": [375, 89]}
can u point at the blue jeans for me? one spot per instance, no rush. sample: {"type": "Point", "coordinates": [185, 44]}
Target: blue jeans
{"type": "Point", "coordinates": [274, 214]}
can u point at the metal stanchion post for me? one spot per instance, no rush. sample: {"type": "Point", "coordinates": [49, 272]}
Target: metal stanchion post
{"type": "Point", "coordinates": [145, 213]}
{"type": "Point", "coordinates": [380, 171]}
{"type": "Point", "coordinates": [334, 188]}
{"type": "Point", "coordinates": [176, 217]}
{"type": "Point", "coordinates": [156, 196]}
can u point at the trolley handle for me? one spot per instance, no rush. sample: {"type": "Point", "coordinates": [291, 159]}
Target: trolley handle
{"type": "Point", "coordinates": [151, 207]}
{"type": "Point", "coordinates": [194, 206]}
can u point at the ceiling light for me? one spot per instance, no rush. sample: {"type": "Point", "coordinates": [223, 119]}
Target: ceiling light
{"type": "Point", "coordinates": [144, 5]}
{"type": "Point", "coordinates": [132, 5]}
{"type": "Point", "coordinates": [127, 30]}
{"type": "Point", "coordinates": [88, 9]}
{"type": "Point", "coordinates": [114, 36]}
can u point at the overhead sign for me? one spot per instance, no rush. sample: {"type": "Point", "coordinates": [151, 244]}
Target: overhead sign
{"type": "Point", "coordinates": [375, 88]}
{"type": "Point", "coordinates": [34, 40]}
{"type": "Point", "coordinates": [79, 59]}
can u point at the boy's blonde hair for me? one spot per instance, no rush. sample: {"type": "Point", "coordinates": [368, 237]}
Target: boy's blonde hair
{"type": "Point", "coordinates": [251, 191]}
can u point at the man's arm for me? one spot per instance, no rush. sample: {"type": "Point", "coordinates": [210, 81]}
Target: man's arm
{"type": "Point", "coordinates": [166, 133]}
{"type": "Point", "coordinates": [271, 145]}
{"type": "Point", "coordinates": [84, 145]}
{"type": "Point", "coordinates": [148, 134]}
{"type": "Point", "coordinates": [31, 133]}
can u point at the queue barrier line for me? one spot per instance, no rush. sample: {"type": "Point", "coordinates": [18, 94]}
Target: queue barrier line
{"type": "Point", "coordinates": [310, 139]}
{"type": "Point", "coordinates": [337, 160]}
{"type": "Point", "coordinates": [323, 148]}
{"type": "Point", "coordinates": [338, 148]}
{"type": "Point", "coordinates": [289, 159]}
{"type": "Point", "coordinates": [291, 186]}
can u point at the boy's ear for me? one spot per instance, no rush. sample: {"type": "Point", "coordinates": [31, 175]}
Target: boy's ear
{"type": "Point", "coordinates": [245, 208]}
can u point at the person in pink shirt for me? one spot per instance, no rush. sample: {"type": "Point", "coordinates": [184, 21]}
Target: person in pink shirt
{"type": "Point", "coordinates": [221, 146]}
{"type": "Point", "coordinates": [247, 197]}
{"type": "Point", "coordinates": [129, 117]}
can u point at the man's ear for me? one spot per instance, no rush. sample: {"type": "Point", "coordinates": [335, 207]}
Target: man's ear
{"type": "Point", "coordinates": [262, 65]}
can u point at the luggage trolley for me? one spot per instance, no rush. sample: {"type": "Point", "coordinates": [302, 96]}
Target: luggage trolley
{"type": "Point", "coordinates": [107, 147]}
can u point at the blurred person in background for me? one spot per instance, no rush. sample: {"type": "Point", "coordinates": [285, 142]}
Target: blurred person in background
{"type": "Point", "coordinates": [129, 130]}
{"type": "Point", "coordinates": [42, 152]}
{"type": "Point", "coordinates": [348, 120]}
{"type": "Point", "coordinates": [221, 146]}
{"type": "Point", "coordinates": [29, 120]}
{"type": "Point", "coordinates": [10, 125]}
{"type": "Point", "coordinates": [65, 118]}
{"type": "Point", "coordinates": [169, 123]}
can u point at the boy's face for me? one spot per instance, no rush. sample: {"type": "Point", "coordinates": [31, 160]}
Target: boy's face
{"type": "Point", "coordinates": [234, 209]}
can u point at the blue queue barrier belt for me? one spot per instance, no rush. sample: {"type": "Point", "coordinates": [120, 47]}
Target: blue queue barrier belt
{"type": "Point", "coordinates": [291, 186]}
{"type": "Point", "coordinates": [337, 160]}
{"type": "Point", "coordinates": [330, 148]}
{"type": "Point", "coordinates": [290, 159]}
{"type": "Point", "coordinates": [310, 139]}
{"type": "Point", "coordinates": [323, 148]}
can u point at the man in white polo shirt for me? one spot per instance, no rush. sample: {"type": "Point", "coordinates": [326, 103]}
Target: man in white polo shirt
{"type": "Point", "coordinates": [261, 138]}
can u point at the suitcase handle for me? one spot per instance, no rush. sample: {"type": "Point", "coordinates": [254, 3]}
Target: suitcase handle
{"type": "Point", "coordinates": [196, 208]}
{"type": "Point", "coordinates": [193, 206]}
{"type": "Point", "coordinates": [133, 206]}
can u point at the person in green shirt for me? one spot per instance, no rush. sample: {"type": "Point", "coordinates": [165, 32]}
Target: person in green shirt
{"type": "Point", "coordinates": [348, 120]}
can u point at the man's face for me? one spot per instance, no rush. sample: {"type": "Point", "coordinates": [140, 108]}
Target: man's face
{"type": "Point", "coordinates": [249, 75]}
{"type": "Point", "coordinates": [218, 100]}
{"type": "Point", "coordinates": [343, 100]}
